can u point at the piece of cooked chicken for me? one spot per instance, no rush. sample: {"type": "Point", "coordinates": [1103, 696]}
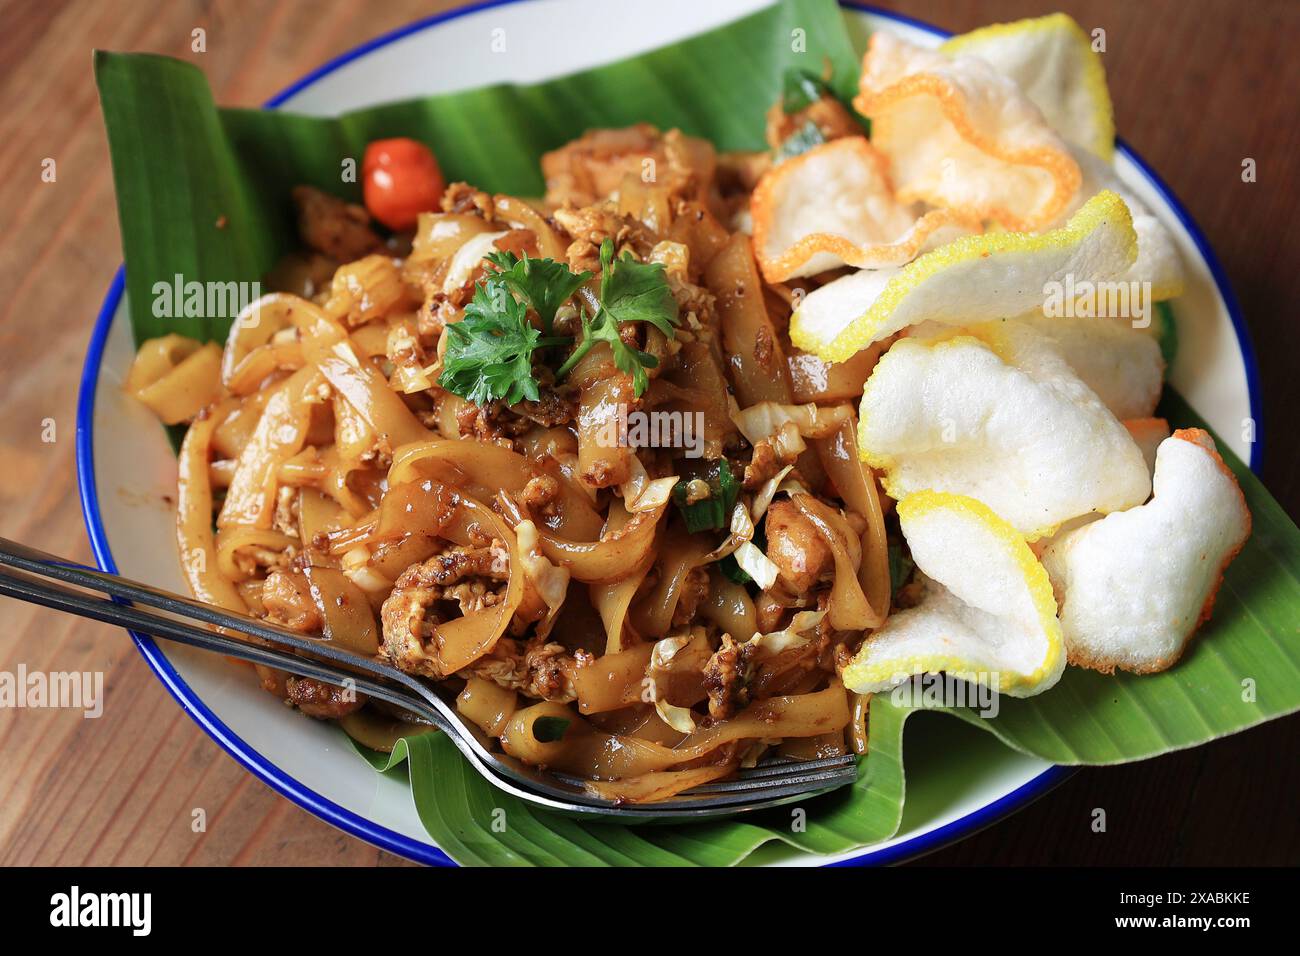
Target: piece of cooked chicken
{"type": "Point", "coordinates": [725, 679]}
{"type": "Point", "coordinates": [472, 577]}
{"type": "Point", "coordinates": [797, 549]}
{"type": "Point", "coordinates": [539, 670]}
{"type": "Point", "coordinates": [591, 167]}
{"type": "Point", "coordinates": [286, 597]}
{"type": "Point", "coordinates": [322, 701]}
{"type": "Point", "coordinates": [340, 230]}
{"type": "Point", "coordinates": [694, 589]}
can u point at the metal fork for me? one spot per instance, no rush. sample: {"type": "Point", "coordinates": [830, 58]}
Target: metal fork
{"type": "Point", "coordinates": [40, 578]}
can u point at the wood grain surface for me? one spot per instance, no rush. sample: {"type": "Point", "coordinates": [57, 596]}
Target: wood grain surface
{"type": "Point", "coordinates": [1199, 85]}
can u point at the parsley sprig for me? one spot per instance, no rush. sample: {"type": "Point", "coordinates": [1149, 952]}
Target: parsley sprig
{"type": "Point", "coordinates": [490, 351]}
{"type": "Point", "coordinates": [543, 283]}
{"type": "Point", "coordinates": [630, 291]}
{"type": "Point", "coordinates": [489, 354]}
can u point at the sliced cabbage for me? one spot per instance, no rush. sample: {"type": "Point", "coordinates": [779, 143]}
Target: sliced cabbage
{"type": "Point", "coordinates": [468, 258]}
{"type": "Point", "coordinates": [766, 419]}
{"type": "Point", "coordinates": [642, 493]}
{"type": "Point", "coordinates": [765, 646]}
{"type": "Point", "coordinates": [757, 565]}
{"type": "Point", "coordinates": [767, 493]}
{"type": "Point", "coordinates": [740, 531]}
{"type": "Point", "coordinates": [679, 719]}
{"type": "Point", "coordinates": [550, 581]}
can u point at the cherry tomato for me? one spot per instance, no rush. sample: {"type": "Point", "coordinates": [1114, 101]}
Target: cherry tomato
{"type": "Point", "coordinates": [402, 180]}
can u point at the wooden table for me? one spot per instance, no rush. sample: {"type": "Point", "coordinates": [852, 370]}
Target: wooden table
{"type": "Point", "coordinates": [1198, 87]}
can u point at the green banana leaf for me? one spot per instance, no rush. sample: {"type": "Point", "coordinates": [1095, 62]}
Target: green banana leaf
{"type": "Point", "coordinates": [477, 825]}
{"type": "Point", "coordinates": [203, 194]}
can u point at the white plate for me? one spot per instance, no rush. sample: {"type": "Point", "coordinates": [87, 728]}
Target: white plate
{"type": "Point", "coordinates": [959, 779]}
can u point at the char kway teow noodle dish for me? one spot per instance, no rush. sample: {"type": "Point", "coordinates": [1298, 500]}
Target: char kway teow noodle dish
{"type": "Point", "coordinates": [667, 471]}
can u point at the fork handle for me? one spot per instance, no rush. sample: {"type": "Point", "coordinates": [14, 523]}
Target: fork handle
{"type": "Point", "coordinates": [39, 564]}
{"type": "Point", "coordinates": [34, 590]}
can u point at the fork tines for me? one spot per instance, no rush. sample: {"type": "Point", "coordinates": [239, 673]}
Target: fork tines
{"type": "Point", "coordinates": [771, 780]}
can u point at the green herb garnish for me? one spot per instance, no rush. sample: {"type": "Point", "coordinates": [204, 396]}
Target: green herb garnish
{"type": "Point", "coordinates": [732, 570]}
{"type": "Point", "coordinates": [542, 283]}
{"type": "Point", "coordinates": [630, 291]}
{"type": "Point", "coordinates": [801, 89]}
{"type": "Point", "coordinates": [900, 566]}
{"type": "Point", "coordinates": [800, 141]}
{"type": "Point", "coordinates": [490, 351]}
{"type": "Point", "coordinates": [714, 512]}
{"type": "Point", "coordinates": [547, 730]}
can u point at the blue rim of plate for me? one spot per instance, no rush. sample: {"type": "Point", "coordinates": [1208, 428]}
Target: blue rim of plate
{"type": "Point", "coordinates": [416, 850]}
